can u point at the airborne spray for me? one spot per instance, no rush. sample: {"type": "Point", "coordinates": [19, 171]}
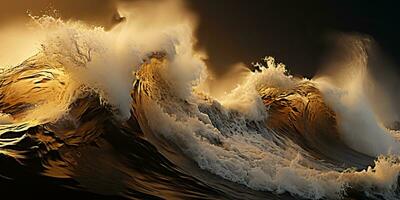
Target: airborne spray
{"type": "Point", "coordinates": [268, 133]}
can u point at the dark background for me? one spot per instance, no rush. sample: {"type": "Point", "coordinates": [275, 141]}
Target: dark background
{"type": "Point", "coordinates": [294, 32]}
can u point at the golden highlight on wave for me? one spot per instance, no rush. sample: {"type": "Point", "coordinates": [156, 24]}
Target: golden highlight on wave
{"type": "Point", "coordinates": [268, 133]}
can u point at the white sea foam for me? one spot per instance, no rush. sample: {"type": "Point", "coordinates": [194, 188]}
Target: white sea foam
{"type": "Point", "coordinates": [347, 92]}
{"type": "Point", "coordinates": [245, 97]}
{"type": "Point", "coordinates": [255, 157]}
{"type": "Point", "coordinates": [215, 133]}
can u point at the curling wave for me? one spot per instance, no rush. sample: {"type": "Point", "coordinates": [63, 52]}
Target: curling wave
{"type": "Point", "coordinates": [141, 101]}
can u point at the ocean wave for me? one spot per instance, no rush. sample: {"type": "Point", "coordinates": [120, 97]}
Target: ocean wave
{"type": "Point", "coordinates": [273, 132]}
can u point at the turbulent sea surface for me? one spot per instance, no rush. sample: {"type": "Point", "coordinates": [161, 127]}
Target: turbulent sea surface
{"type": "Point", "coordinates": [128, 113]}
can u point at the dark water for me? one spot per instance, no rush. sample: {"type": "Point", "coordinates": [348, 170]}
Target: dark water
{"type": "Point", "coordinates": [90, 154]}
{"type": "Point", "coordinates": [104, 160]}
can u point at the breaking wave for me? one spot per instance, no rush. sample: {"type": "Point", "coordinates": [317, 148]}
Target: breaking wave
{"type": "Point", "coordinates": [138, 96]}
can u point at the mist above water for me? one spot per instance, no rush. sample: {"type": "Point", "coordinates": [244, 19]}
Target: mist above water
{"type": "Point", "coordinates": [147, 68]}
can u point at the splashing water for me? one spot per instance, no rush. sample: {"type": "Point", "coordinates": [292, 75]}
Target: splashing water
{"type": "Point", "coordinates": [274, 132]}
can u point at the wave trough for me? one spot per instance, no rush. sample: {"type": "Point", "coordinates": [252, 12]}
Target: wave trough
{"type": "Point", "coordinates": [138, 96]}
